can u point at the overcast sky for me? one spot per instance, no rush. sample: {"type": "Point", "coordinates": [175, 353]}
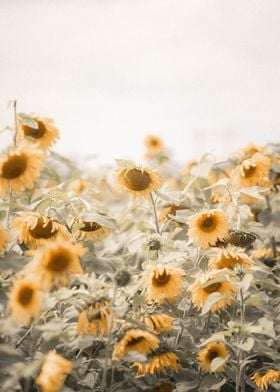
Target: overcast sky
{"type": "Point", "coordinates": [204, 75]}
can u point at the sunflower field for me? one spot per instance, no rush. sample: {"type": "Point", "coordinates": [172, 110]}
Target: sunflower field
{"type": "Point", "coordinates": [139, 277]}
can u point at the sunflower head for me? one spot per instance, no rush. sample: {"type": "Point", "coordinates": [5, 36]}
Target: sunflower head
{"type": "Point", "coordinates": [162, 282]}
{"type": "Point", "coordinates": [203, 286]}
{"type": "Point", "coordinates": [53, 372]}
{"type": "Point", "coordinates": [19, 168]}
{"type": "Point", "coordinates": [158, 363]}
{"type": "Point", "coordinates": [154, 146]}
{"type": "Point", "coordinates": [39, 130]}
{"type": "Point", "coordinates": [35, 229]}
{"type": "Point", "coordinates": [91, 231]}
{"type": "Point", "coordinates": [55, 261]}
{"type": "Point", "coordinates": [135, 339]}
{"type": "Point", "coordinates": [159, 322]}
{"type": "Point", "coordinates": [95, 319]}
{"type": "Point", "coordinates": [264, 379]}
{"type": "Point", "coordinates": [230, 257]}
{"type": "Point", "coordinates": [211, 352]}
{"type": "Point", "coordinates": [139, 182]}
{"type": "Point", "coordinates": [208, 227]}
{"type": "Point", "coordinates": [25, 300]}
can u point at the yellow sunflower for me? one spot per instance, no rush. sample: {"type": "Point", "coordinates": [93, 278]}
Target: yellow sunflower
{"type": "Point", "coordinates": [4, 237]}
{"type": "Point", "coordinates": [154, 146]}
{"type": "Point", "coordinates": [263, 380]}
{"type": "Point", "coordinates": [95, 319]}
{"type": "Point", "coordinates": [140, 182]}
{"type": "Point", "coordinates": [53, 372]}
{"type": "Point", "coordinates": [135, 339]}
{"type": "Point", "coordinates": [19, 168]}
{"type": "Point", "coordinates": [230, 257]}
{"type": "Point", "coordinates": [44, 132]}
{"type": "Point", "coordinates": [162, 282]}
{"type": "Point", "coordinates": [25, 300]}
{"type": "Point", "coordinates": [207, 227]}
{"type": "Point", "coordinates": [91, 231]}
{"type": "Point", "coordinates": [159, 322]}
{"type": "Point", "coordinates": [212, 351]}
{"type": "Point", "coordinates": [158, 363]}
{"type": "Point", "coordinates": [252, 172]}
{"type": "Point", "coordinates": [35, 229]}
{"type": "Point", "coordinates": [207, 284]}
{"type": "Point", "coordinates": [250, 150]}
{"type": "Point", "coordinates": [55, 261]}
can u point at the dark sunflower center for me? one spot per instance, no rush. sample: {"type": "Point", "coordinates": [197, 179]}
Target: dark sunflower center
{"type": "Point", "coordinates": [135, 341]}
{"type": "Point", "coordinates": [212, 354]}
{"type": "Point", "coordinates": [14, 167]}
{"type": "Point", "coordinates": [41, 230]}
{"type": "Point", "coordinates": [137, 180]}
{"type": "Point", "coordinates": [90, 226]}
{"type": "Point", "coordinates": [154, 142]}
{"type": "Point", "coordinates": [249, 171]}
{"type": "Point", "coordinates": [33, 132]}
{"type": "Point", "coordinates": [208, 224]}
{"type": "Point", "coordinates": [25, 296]}
{"type": "Point", "coordinates": [59, 260]}
{"type": "Point", "coordinates": [161, 280]}
{"type": "Point", "coordinates": [212, 288]}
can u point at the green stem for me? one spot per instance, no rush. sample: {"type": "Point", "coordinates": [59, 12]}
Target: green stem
{"type": "Point", "coordinates": [155, 213]}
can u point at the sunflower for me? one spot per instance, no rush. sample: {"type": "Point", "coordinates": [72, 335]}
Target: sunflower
{"type": "Point", "coordinates": [135, 339]}
{"type": "Point", "coordinates": [207, 227]}
{"type": "Point", "coordinates": [154, 146]}
{"type": "Point", "coordinates": [250, 150]}
{"type": "Point", "coordinates": [35, 229]}
{"type": "Point", "coordinates": [202, 288]}
{"type": "Point", "coordinates": [252, 172]}
{"type": "Point", "coordinates": [53, 372]}
{"type": "Point", "coordinates": [79, 186]}
{"type": "Point", "coordinates": [55, 261]}
{"type": "Point", "coordinates": [25, 300]}
{"type": "Point", "coordinates": [4, 237]}
{"type": "Point", "coordinates": [162, 282]}
{"type": "Point", "coordinates": [140, 182]}
{"type": "Point", "coordinates": [19, 168]}
{"type": "Point", "coordinates": [209, 353]}
{"type": "Point", "coordinates": [94, 319]}
{"type": "Point", "coordinates": [91, 231]}
{"type": "Point", "coordinates": [262, 253]}
{"type": "Point", "coordinates": [230, 257]}
{"type": "Point", "coordinates": [44, 132]}
{"type": "Point", "coordinates": [159, 322]}
{"type": "Point", "coordinates": [158, 363]}
{"type": "Point", "coordinates": [263, 380]}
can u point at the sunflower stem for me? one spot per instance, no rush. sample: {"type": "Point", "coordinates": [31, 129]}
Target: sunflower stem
{"type": "Point", "coordinates": [240, 380]}
{"type": "Point", "coordinates": [155, 213]}
{"type": "Point", "coordinates": [103, 386]}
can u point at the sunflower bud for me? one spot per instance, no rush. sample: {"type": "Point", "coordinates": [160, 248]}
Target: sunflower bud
{"type": "Point", "coordinates": [122, 278]}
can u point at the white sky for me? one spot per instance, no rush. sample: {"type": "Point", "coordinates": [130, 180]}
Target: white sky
{"type": "Point", "coordinates": [204, 75]}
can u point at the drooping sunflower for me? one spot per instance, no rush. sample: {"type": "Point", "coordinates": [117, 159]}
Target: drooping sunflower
{"type": "Point", "coordinates": [252, 172]}
{"type": "Point", "coordinates": [44, 132]}
{"type": "Point", "coordinates": [25, 300]}
{"type": "Point", "coordinates": [19, 168]}
{"type": "Point", "coordinates": [55, 261]}
{"type": "Point", "coordinates": [53, 372]}
{"type": "Point", "coordinates": [4, 237]}
{"type": "Point", "coordinates": [135, 339]}
{"type": "Point", "coordinates": [207, 284]}
{"type": "Point", "coordinates": [159, 322]}
{"type": "Point", "coordinates": [139, 182]}
{"type": "Point", "coordinates": [95, 319]}
{"type": "Point", "coordinates": [91, 231]}
{"type": "Point", "coordinates": [209, 353]}
{"type": "Point", "coordinates": [207, 227]}
{"type": "Point", "coordinates": [35, 229]}
{"type": "Point", "coordinates": [162, 282]}
{"type": "Point", "coordinates": [264, 379]}
{"type": "Point", "coordinates": [158, 363]}
{"type": "Point", "coordinates": [154, 146]}
{"type": "Point", "coordinates": [229, 257]}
